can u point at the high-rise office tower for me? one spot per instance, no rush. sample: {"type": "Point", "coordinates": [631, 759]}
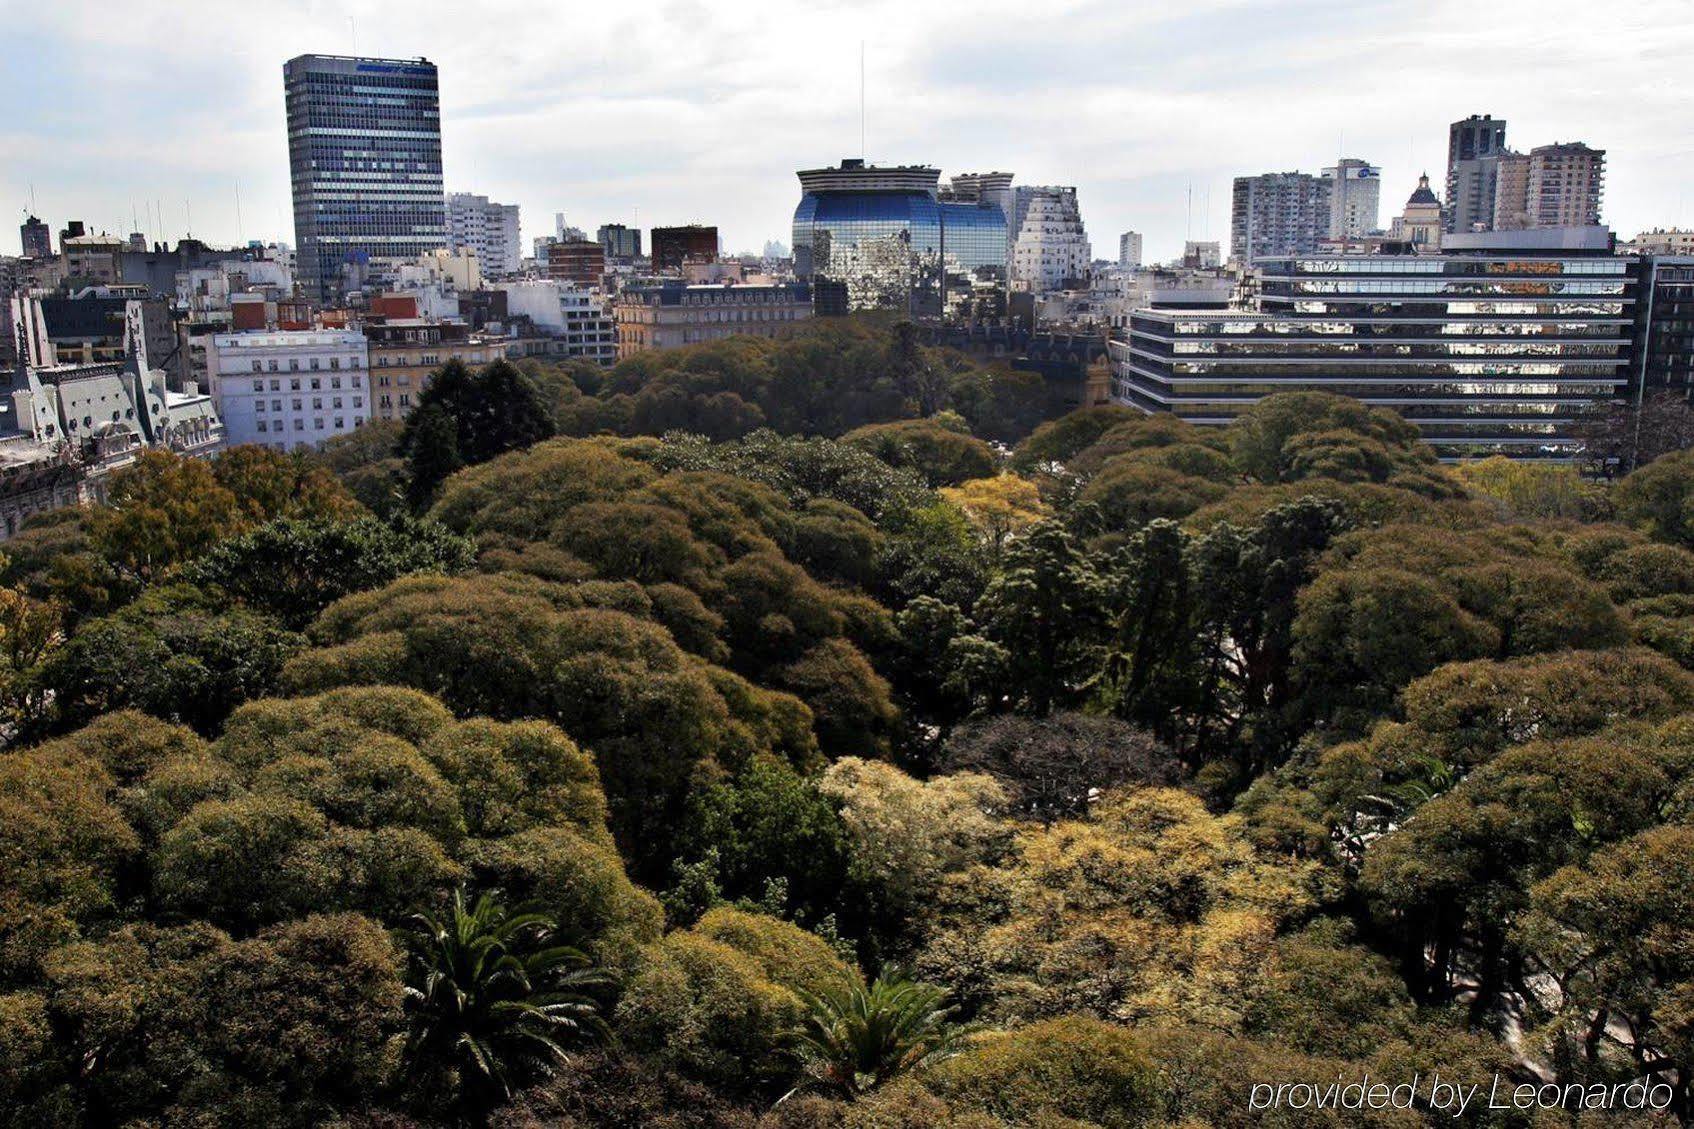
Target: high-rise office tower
{"type": "Point", "coordinates": [489, 229]}
{"type": "Point", "coordinates": [1511, 193]}
{"type": "Point", "coordinates": [1278, 213]}
{"type": "Point", "coordinates": [364, 153]}
{"type": "Point", "coordinates": [36, 238]}
{"type": "Point", "coordinates": [1129, 250]}
{"type": "Point", "coordinates": [621, 243]}
{"type": "Point", "coordinates": [1474, 148]}
{"type": "Point", "coordinates": [1355, 197]}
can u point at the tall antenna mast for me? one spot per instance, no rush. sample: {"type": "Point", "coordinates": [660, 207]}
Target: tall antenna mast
{"type": "Point", "coordinates": [861, 99]}
{"type": "Point", "coordinates": [239, 227]}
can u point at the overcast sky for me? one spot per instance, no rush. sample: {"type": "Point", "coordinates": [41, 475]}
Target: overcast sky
{"type": "Point", "coordinates": [686, 111]}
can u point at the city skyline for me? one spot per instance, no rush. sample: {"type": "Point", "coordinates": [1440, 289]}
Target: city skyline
{"type": "Point", "coordinates": [689, 114]}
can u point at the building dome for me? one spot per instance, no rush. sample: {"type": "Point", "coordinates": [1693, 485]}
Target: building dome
{"type": "Point", "coordinates": [1423, 195]}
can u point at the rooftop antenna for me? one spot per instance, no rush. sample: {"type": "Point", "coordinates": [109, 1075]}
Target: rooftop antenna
{"type": "Point", "coordinates": [861, 99]}
{"type": "Point", "coordinates": [353, 32]}
{"type": "Point", "coordinates": [1189, 233]}
{"type": "Point", "coordinates": [239, 227]}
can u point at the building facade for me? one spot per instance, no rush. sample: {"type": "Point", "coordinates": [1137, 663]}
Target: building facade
{"type": "Point", "coordinates": [1278, 213]}
{"type": "Point", "coordinates": [664, 317]}
{"type": "Point", "coordinates": [1420, 224]}
{"type": "Point", "coordinates": [869, 237]}
{"type": "Point", "coordinates": [292, 388]}
{"type": "Point", "coordinates": [36, 239]}
{"type": "Point", "coordinates": [1495, 345]}
{"type": "Point", "coordinates": [1565, 185]}
{"type": "Point", "coordinates": [1129, 250]}
{"type": "Point", "coordinates": [1204, 254]}
{"type": "Point", "coordinates": [1474, 148]}
{"type": "Point", "coordinates": [1050, 250]}
{"type": "Point", "coordinates": [581, 262]}
{"type": "Point", "coordinates": [478, 224]}
{"type": "Point", "coordinates": [1355, 198]}
{"type": "Point", "coordinates": [364, 155]}
{"type": "Point", "coordinates": [621, 244]}
{"type": "Point", "coordinates": [406, 352]}
{"type": "Point", "coordinates": [673, 246]}
{"type": "Point", "coordinates": [570, 321]}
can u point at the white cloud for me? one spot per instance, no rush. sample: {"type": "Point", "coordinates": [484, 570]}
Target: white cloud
{"type": "Point", "coordinates": [686, 110]}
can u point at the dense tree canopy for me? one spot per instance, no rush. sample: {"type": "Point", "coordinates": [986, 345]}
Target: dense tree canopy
{"type": "Point", "coordinates": [641, 745]}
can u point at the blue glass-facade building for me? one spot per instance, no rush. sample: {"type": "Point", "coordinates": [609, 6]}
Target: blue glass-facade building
{"type": "Point", "coordinates": [883, 239]}
{"type": "Point", "coordinates": [364, 156]}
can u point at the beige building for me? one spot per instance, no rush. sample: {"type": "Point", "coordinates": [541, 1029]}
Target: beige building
{"type": "Point", "coordinates": [1662, 241]}
{"type": "Point", "coordinates": [664, 317]}
{"type": "Point", "coordinates": [1511, 193]}
{"type": "Point", "coordinates": [406, 352]}
{"type": "Point", "coordinates": [1420, 223]}
{"type": "Point", "coordinates": [1565, 184]}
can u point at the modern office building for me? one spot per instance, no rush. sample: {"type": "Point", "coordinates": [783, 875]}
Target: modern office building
{"type": "Point", "coordinates": [289, 389]}
{"type": "Point", "coordinates": [364, 155]}
{"type": "Point", "coordinates": [881, 238]}
{"type": "Point", "coordinates": [568, 321]}
{"type": "Point", "coordinates": [1665, 325]}
{"type": "Point", "coordinates": [490, 229]}
{"type": "Point", "coordinates": [1278, 213]}
{"type": "Point", "coordinates": [1474, 148]}
{"type": "Point", "coordinates": [1496, 344]}
{"type": "Point", "coordinates": [1129, 250]}
{"type": "Point", "coordinates": [622, 244]}
{"type": "Point", "coordinates": [36, 238]}
{"type": "Point", "coordinates": [1355, 197]}
{"type": "Point", "coordinates": [673, 246]}
{"type": "Point", "coordinates": [1050, 249]}
{"type": "Point", "coordinates": [664, 317]}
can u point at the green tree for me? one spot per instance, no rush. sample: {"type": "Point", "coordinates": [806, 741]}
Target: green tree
{"type": "Point", "coordinates": [494, 1001]}
{"type": "Point", "coordinates": [293, 568]}
{"type": "Point", "coordinates": [1046, 608]}
{"type": "Point", "coordinates": [1658, 499]}
{"type": "Point", "coordinates": [432, 444]}
{"type": "Point", "coordinates": [858, 1037]}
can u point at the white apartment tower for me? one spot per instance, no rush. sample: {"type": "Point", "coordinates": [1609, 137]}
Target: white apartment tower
{"type": "Point", "coordinates": [1355, 197]}
{"type": "Point", "coordinates": [1129, 250]}
{"type": "Point", "coordinates": [1050, 250]}
{"type": "Point", "coordinates": [489, 229]}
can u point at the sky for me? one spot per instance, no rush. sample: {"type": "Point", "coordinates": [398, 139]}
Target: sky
{"type": "Point", "coordinates": [679, 111]}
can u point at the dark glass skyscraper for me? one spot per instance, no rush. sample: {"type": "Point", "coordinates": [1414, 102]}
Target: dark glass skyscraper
{"type": "Point", "coordinates": [364, 154]}
{"type": "Point", "coordinates": [883, 236]}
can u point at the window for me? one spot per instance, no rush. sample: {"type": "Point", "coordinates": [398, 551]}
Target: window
{"type": "Point", "coordinates": [258, 386]}
{"type": "Point", "coordinates": [339, 423]}
{"type": "Point", "coordinates": [299, 425]}
{"type": "Point", "coordinates": [276, 386]}
{"type": "Point", "coordinates": [276, 405]}
{"type": "Point", "coordinates": [358, 401]}
{"type": "Point", "coordinates": [262, 428]}
{"type": "Point", "coordinates": [257, 367]}
{"type": "Point", "coordinates": [314, 363]}
{"type": "Point", "coordinates": [294, 364]}
{"type": "Point", "coordinates": [296, 403]}
{"type": "Point", "coordinates": [317, 403]}
{"type": "Point", "coordinates": [273, 366]}
{"type": "Point", "coordinates": [258, 405]}
{"type": "Point", "coordinates": [336, 403]}
{"type": "Point", "coordinates": [294, 385]}
{"type": "Point", "coordinates": [317, 383]}
{"type": "Point", "coordinates": [335, 382]}
{"type": "Point", "coordinates": [334, 363]}
{"type": "Point", "coordinates": [317, 423]}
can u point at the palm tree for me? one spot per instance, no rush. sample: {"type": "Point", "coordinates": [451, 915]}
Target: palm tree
{"type": "Point", "coordinates": [494, 1001]}
{"type": "Point", "coordinates": [855, 1037]}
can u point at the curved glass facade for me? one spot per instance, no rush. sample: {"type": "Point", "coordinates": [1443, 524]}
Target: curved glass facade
{"type": "Point", "coordinates": [895, 249]}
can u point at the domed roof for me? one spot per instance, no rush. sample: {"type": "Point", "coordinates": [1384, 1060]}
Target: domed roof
{"type": "Point", "coordinates": [1423, 195]}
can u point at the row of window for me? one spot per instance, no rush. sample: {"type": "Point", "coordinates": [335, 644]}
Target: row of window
{"type": "Point", "coordinates": [294, 383]}
{"type": "Point", "coordinates": [294, 365]}
{"type": "Point", "coordinates": [267, 428]}
{"type": "Point", "coordinates": [317, 403]}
